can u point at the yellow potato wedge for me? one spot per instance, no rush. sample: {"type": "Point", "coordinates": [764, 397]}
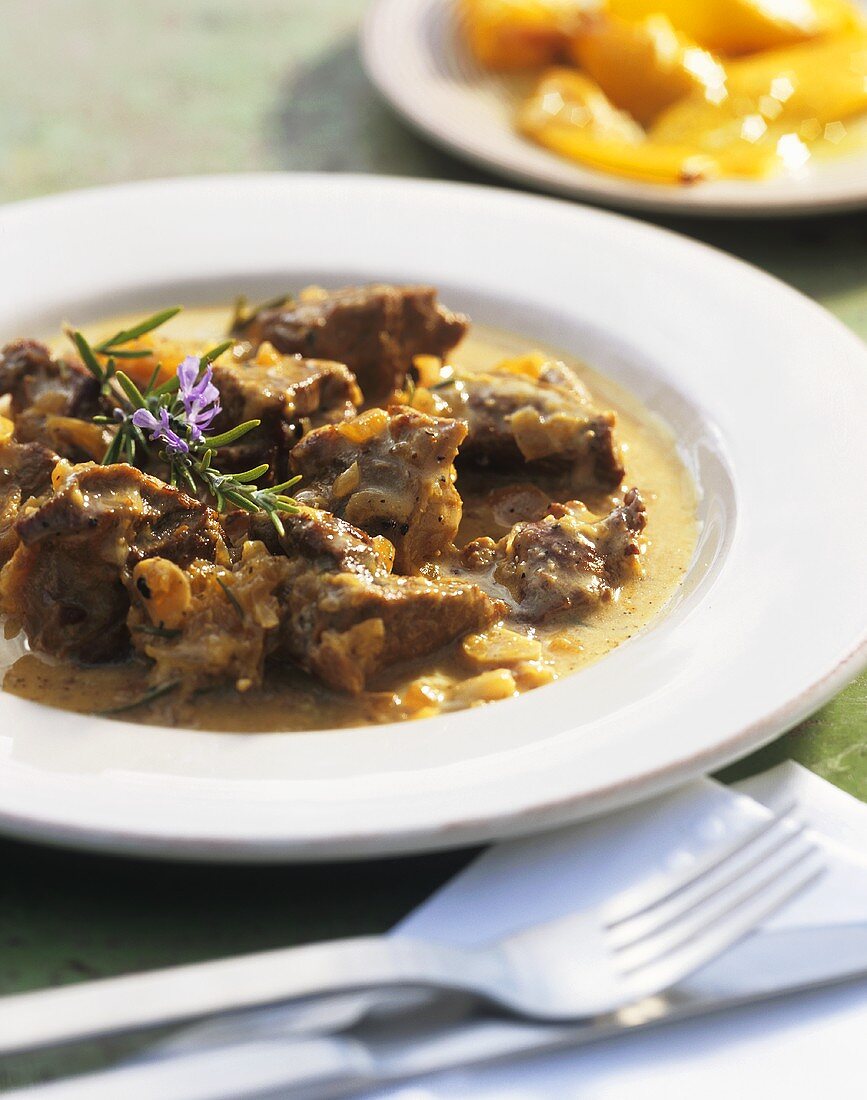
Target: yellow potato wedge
{"type": "Point", "coordinates": [735, 27]}
{"type": "Point", "coordinates": [566, 98]}
{"type": "Point", "coordinates": [647, 162]}
{"type": "Point", "coordinates": [826, 80]}
{"type": "Point", "coordinates": [800, 90]}
{"type": "Point", "coordinates": [569, 114]}
{"type": "Point", "coordinates": [645, 66]}
{"type": "Point", "coordinates": [518, 34]}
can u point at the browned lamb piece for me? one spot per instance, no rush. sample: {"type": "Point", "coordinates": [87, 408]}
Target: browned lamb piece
{"type": "Point", "coordinates": [53, 400]}
{"type": "Point", "coordinates": [65, 581]}
{"type": "Point", "coordinates": [319, 596]}
{"type": "Point", "coordinates": [289, 395]}
{"type": "Point", "coordinates": [320, 540]}
{"type": "Point", "coordinates": [566, 561]}
{"type": "Point", "coordinates": [346, 618]}
{"type": "Point", "coordinates": [375, 330]}
{"type": "Point", "coordinates": [549, 420]}
{"type": "Point", "coordinates": [25, 472]}
{"type": "Point", "coordinates": [389, 473]}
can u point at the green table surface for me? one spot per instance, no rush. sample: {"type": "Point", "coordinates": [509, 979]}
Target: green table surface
{"type": "Point", "coordinates": [96, 91]}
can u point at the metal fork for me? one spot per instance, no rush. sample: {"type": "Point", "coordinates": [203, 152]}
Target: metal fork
{"type": "Point", "coordinates": [591, 962]}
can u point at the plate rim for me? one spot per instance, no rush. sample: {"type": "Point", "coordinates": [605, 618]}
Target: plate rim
{"type": "Point", "coordinates": [469, 830]}
{"type": "Point", "coordinates": [641, 198]}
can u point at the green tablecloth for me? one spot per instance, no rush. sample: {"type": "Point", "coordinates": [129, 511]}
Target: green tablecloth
{"type": "Point", "coordinates": [99, 91]}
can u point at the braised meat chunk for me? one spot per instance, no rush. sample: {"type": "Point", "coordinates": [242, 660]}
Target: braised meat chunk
{"type": "Point", "coordinates": [209, 623]}
{"type": "Point", "coordinates": [321, 541]}
{"type": "Point", "coordinates": [66, 580]}
{"type": "Point", "coordinates": [32, 376]}
{"type": "Point", "coordinates": [288, 394]}
{"type": "Point", "coordinates": [52, 400]}
{"type": "Point", "coordinates": [346, 619]}
{"type": "Point", "coordinates": [25, 472]}
{"type": "Point", "coordinates": [358, 627]}
{"type": "Point", "coordinates": [375, 330]}
{"type": "Point", "coordinates": [543, 416]}
{"type": "Point", "coordinates": [389, 473]}
{"type": "Point", "coordinates": [566, 561]}
{"type": "Point", "coordinates": [320, 596]}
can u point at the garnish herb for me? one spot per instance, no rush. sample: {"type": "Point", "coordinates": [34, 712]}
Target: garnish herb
{"type": "Point", "coordinates": [175, 416]}
{"type": "Point", "coordinates": [243, 313]}
{"type": "Point", "coordinates": [156, 631]}
{"type": "Point", "coordinates": [231, 597]}
{"type": "Point", "coordinates": [148, 697]}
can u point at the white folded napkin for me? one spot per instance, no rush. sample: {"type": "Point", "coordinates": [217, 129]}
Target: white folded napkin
{"type": "Point", "coordinates": [801, 1046]}
{"type": "Point", "coordinates": [541, 877]}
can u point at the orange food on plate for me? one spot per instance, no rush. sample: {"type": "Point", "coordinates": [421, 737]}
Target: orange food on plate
{"type": "Point", "coordinates": [572, 116]}
{"type": "Point", "coordinates": [517, 34]}
{"type": "Point", "coordinates": [646, 66]}
{"type": "Point", "coordinates": [745, 26]}
{"type": "Point", "coordinates": [786, 102]}
{"type": "Point", "coordinates": [674, 91]}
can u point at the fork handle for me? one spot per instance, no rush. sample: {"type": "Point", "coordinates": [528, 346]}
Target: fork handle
{"type": "Point", "coordinates": [133, 1002]}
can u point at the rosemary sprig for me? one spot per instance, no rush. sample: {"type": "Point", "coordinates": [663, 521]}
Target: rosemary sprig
{"type": "Point", "coordinates": [237, 489]}
{"type": "Point", "coordinates": [127, 335]}
{"type": "Point", "coordinates": [215, 353]}
{"type": "Point", "coordinates": [113, 348]}
{"type": "Point", "coordinates": [176, 414]}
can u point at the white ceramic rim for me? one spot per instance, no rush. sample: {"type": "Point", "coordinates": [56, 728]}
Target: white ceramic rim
{"type": "Point", "coordinates": [747, 369]}
{"type": "Point", "coordinates": [414, 56]}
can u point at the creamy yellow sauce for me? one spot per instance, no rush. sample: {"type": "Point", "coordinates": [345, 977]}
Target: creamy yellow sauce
{"type": "Point", "coordinates": [290, 700]}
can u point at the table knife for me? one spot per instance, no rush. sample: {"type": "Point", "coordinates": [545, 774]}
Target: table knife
{"type": "Point", "coordinates": [269, 1057]}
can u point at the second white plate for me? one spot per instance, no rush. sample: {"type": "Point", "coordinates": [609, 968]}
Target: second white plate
{"type": "Point", "coordinates": [415, 55]}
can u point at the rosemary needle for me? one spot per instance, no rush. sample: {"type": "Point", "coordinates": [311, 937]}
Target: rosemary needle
{"type": "Point", "coordinates": [156, 631]}
{"type": "Point", "coordinates": [148, 697]}
{"type": "Point", "coordinates": [230, 596]}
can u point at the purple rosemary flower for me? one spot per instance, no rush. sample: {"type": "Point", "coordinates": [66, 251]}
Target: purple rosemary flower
{"type": "Point", "coordinates": [160, 428]}
{"type": "Point", "coordinates": [199, 396]}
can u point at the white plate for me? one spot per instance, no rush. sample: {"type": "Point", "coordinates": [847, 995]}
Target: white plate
{"type": "Point", "coordinates": [765, 391]}
{"type": "Point", "coordinates": [414, 53]}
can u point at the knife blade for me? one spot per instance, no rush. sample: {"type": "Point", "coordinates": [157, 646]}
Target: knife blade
{"type": "Point", "coordinates": [768, 965]}
{"type": "Point", "coordinates": [271, 1058]}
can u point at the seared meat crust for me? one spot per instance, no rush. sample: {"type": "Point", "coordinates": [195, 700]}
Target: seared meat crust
{"type": "Point", "coordinates": [515, 419]}
{"type": "Point", "coordinates": [389, 473]}
{"type": "Point", "coordinates": [288, 394]}
{"type": "Point", "coordinates": [375, 330]}
{"type": "Point", "coordinates": [319, 596]}
{"type": "Point", "coordinates": [52, 399]}
{"type": "Point", "coordinates": [25, 472]}
{"type": "Point", "coordinates": [346, 629]}
{"type": "Point", "coordinates": [30, 373]}
{"type": "Point", "coordinates": [65, 581]}
{"type": "Point", "coordinates": [321, 541]}
{"type": "Point", "coordinates": [348, 624]}
{"type": "Point", "coordinates": [564, 561]}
